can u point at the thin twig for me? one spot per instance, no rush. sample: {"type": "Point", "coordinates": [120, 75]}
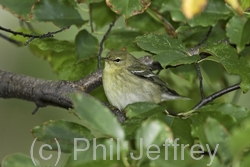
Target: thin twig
{"type": "Point", "coordinates": [205, 38]}
{"type": "Point", "coordinates": [200, 79]}
{"type": "Point", "coordinates": [29, 26]}
{"type": "Point", "coordinates": [157, 16]}
{"type": "Point", "coordinates": [35, 110]}
{"type": "Point", "coordinates": [216, 95]}
{"type": "Point", "coordinates": [198, 66]}
{"type": "Point", "coordinates": [102, 42]}
{"type": "Point", "coordinates": [23, 34]}
{"type": "Point", "coordinates": [10, 40]}
{"type": "Point", "coordinates": [32, 37]}
{"type": "Point", "coordinates": [90, 17]}
{"type": "Point", "coordinates": [196, 48]}
{"type": "Point", "coordinates": [49, 34]}
{"type": "Point", "coordinates": [28, 41]}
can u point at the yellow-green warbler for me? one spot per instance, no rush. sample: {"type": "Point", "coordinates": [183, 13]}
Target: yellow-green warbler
{"type": "Point", "coordinates": [126, 80]}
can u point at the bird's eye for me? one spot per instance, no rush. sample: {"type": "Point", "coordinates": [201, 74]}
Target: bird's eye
{"type": "Point", "coordinates": [117, 60]}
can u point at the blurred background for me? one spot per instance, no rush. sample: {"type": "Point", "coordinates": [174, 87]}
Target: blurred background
{"type": "Point", "coordinates": [16, 119]}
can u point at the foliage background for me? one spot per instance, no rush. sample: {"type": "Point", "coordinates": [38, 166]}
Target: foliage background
{"type": "Point", "coordinates": [16, 119]}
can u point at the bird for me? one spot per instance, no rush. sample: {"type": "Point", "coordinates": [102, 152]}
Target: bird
{"type": "Point", "coordinates": [127, 80]}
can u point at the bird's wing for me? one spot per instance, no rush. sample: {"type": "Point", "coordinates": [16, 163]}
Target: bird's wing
{"type": "Point", "coordinates": [145, 72]}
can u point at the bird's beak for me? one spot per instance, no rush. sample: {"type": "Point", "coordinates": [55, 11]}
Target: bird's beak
{"type": "Point", "coordinates": [104, 59]}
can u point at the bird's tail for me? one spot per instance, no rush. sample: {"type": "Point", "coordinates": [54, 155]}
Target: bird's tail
{"type": "Point", "coordinates": [170, 94]}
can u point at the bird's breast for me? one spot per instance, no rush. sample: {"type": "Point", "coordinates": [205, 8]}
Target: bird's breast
{"type": "Point", "coordinates": [123, 88]}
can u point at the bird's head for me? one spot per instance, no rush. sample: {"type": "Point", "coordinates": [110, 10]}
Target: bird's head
{"type": "Point", "coordinates": [119, 59]}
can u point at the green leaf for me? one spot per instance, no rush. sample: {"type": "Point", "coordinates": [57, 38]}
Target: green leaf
{"type": "Point", "coordinates": [175, 58]}
{"type": "Point", "coordinates": [191, 35]}
{"type": "Point", "coordinates": [181, 129]}
{"type": "Point", "coordinates": [99, 152]}
{"type": "Point", "coordinates": [157, 4]}
{"type": "Point", "coordinates": [97, 117]}
{"type": "Point", "coordinates": [245, 4]}
{"type": "Point", "coordinates": [187, 72]}
{"type": "Point", "coordinates": [128, 8]}
{"type": "Point", "coordinates": [56, 59]}
{"type": "Point", "coordinates": [240, 142]}
{"type": "Point", "coordinates": [217, 33]}
{"type": "Point", "coordinates": [234, 64]}
{"type": "Point", "coordinates": [245, 162]}
{"type": "Point", "coordinates": [19, 160]}
{"type": "Point", "coordinates": [53, 44]}
{"type": "Point", "coordinates": [102, 15]}
{"type": "Point", "coordinates": [229, 115]}
{"type": "Point", "coordinates": [199, 120]}
{"type": "Point", "coordinates": [122, 38]}
{"type": "Point", "coordinates": [215, 11]}
{"type": "Point", "coordinates": [142, 109]}
{"type": "Point", "coordinates": [86, 45]}
{"type": "Point", "coordinates": [139, 22]}
{"type": "Point", "coordinates": [61, 13]}
{"type": "Point", "coordinates": [20, 38]}
{"type": "Point", "coordinates": [71, 70]}
{"type": "Point", "coordinates": [21, 9]}
{"type": "Point", "coordinates": [238, 113]}
{"type": "Point", "coordinates": [63, 131]}
{"type": "Point", "coordinates": [156, 43]}
{"type": "Point", "coordinates": [170, 52]}
{"type": "Point", "coordinates": [215, 74]}
{"type": "Point", "coordinates": [246, 53]}
{"type": "Point", "coordinates": [218, 139]}
{"type": "Point", "coordinates": [99, 94]}
{"type": "Point", "coordinates": [238, 31]}
{"type": "Point", "coordinates": [131, 125]}
{"type": "Point", "coordinates": [188, 31]}
{"type": "Point", "coordinates": [62, 57]}
{"type": "Point", "coordinates": [152, 132]}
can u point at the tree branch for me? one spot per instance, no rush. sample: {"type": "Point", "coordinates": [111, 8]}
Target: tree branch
{"type": "Point", "coordinates": [32, 37]}
{"type": "Point", "coordinates": [216, 95]}
{"type": "Point", "coordinates": [39, 91]}
{"type": "Point", "coordinates": [201, 80]}
{"type": "Point", "coordinates": [102, 42]}
{"type": "Point", "coordinates": [198, 69]}
{"type": "Point", "coordinates": [45, 92]}
{"type": "Point", "coordinates": [10, 40]}
{"type": "Point", "coordinates": [56, 93]}
{"type": "Point", "coordinates": [206, 37]}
